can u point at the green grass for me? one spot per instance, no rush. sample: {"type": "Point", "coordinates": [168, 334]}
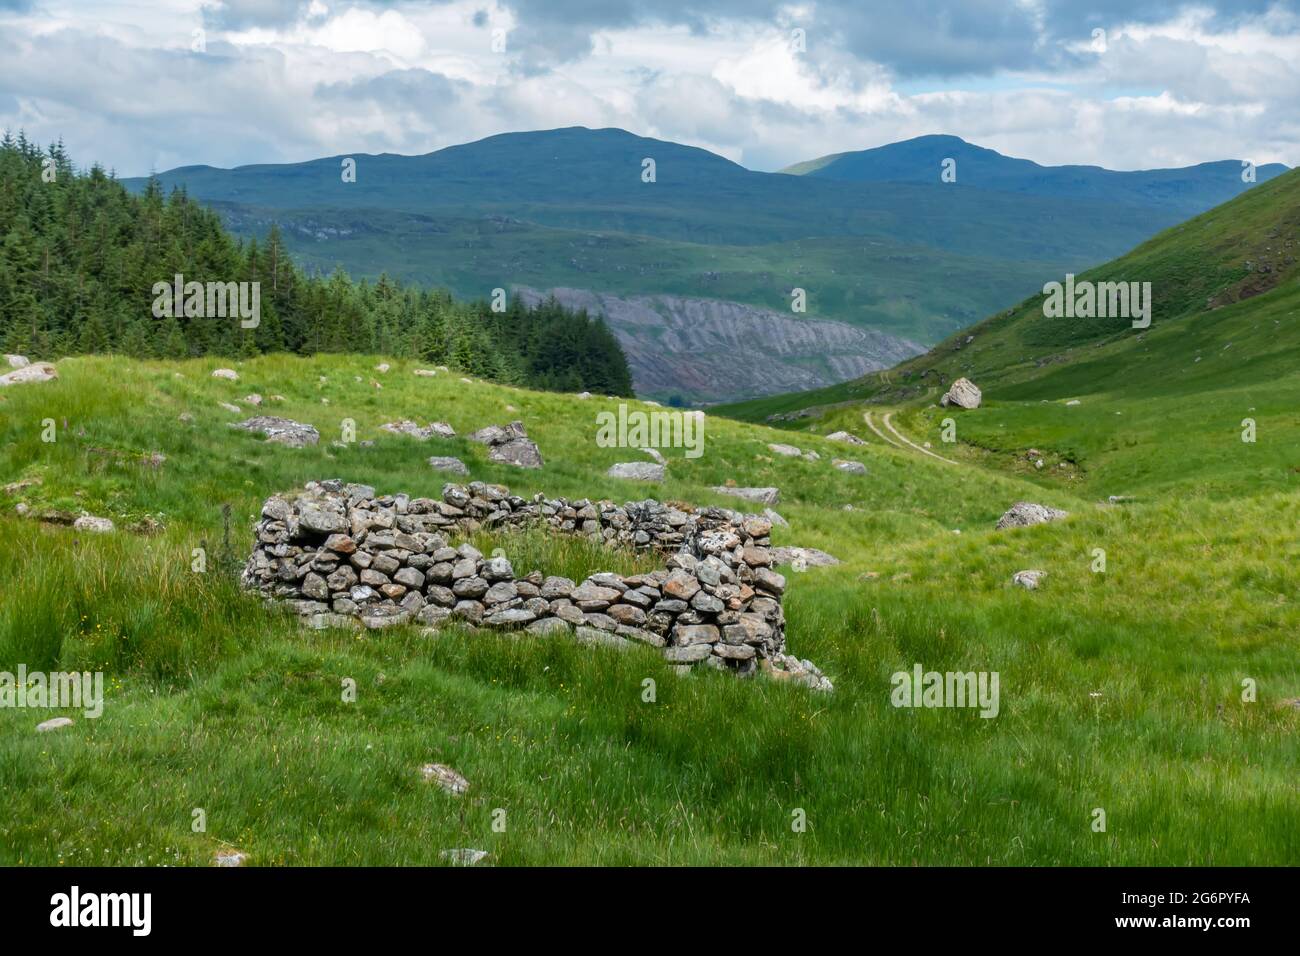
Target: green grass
{"type": "Point", "coordinates": [1119, 690]}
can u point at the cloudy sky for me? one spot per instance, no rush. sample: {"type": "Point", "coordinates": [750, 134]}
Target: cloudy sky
{"type": "Point", "coordinates": [152, 84]}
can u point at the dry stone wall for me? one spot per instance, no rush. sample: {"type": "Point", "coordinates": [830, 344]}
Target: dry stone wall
{"type": "Point", "coordinates": [335, 552]}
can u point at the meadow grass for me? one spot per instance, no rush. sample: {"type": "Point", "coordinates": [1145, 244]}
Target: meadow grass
{"type": "Point", "coordinates": [1120, 690]}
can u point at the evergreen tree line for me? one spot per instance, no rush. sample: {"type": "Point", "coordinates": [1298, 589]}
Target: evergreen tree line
{"type": "Point", "coordinates": [80, 256]}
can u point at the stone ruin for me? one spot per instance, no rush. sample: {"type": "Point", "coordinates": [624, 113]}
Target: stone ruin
{"type": "Point", "coordinates": [338, 553]}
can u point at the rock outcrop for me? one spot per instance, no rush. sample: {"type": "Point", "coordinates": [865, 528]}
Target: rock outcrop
{"type": "Point", "coordinates": [1025, 513]}
{"type": "Point", "coordinates": [637, 471]}
{"type": "Point", "coordinates": [763, 496]}
{"type": "Point", "coordinates": [31, 372]}
{"type": "Point", "coordinates": [283, 431]}
{"type": "Point", "coordinates": [1029, 580]}
{"type": "Point", "coordinates": [849, 437]}
{"type": "Point", "coordinates": [710, 350]}
{"type": "Point", "coordinates": [408, 427]}
{"type": "Point", "coordinates": [963, 393]}
{"type": "Point", "coordinates": [339, 549]}
{"type": "Point", "coordinates": [449, 464]}
{"type": "Point", "coordinates": [509, 444]}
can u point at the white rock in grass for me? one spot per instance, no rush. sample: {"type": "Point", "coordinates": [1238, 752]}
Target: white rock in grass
{"type": "Point", "coordinates": [765, 496]}
{"type": "Point", "coordinates": [1029, 580]}
{"type": "Point", "coordinates": [445, 777]}
{"type": "Point", "coordinates": [229, 374]}
{"type": "Point", "coordinates": [54, 723]}
{"type": "Point", "coordinates": [1025, 513]}
{"type": "Point", "coordinates": [40, 372]}
{"type": "Point", "coordinates": [637, 471]}
{"type": "Point", "coordinates": [788, 450]}
{"type": "Point", "coordinates": [441, 463]}
{"type": "Point", "coordinates": [845, 437]}
{"type": "Point", "coordinates": [852, 467]}
{"type": "Point", "coordinates": [253, 399]}
{"type": "Point", "coordinates": [464, 856]}
{"type": "Point", "coordinates": [382, 367]}
{"type": "Point", "coordinates": [94, 524]}
{"type": "Point", "coordinates": [230, 408]}
{"type": "Point", "coordinates": [16, 361]}
{"type": "Point", "coordinates": [425, 372]}
{"type": "Point", "coordinates": [230, 858]}
{"type": "Point", "coordinates": [963, 393]}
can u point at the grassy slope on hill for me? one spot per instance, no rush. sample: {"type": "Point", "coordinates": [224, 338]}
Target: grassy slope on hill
{"type": "Point", "coordinates": [1160, 410]}
{"type": "Point", "coordinates": [1120, 690]}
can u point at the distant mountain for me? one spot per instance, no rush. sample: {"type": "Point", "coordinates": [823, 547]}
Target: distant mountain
{"type": "Point", "coordinates": [1190, 189]}
{"type": "Point", "coordinates": [570, 208]}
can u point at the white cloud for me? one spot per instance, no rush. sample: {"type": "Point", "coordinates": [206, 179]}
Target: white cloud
{"type": "Point", "coordinates": [118, 82]}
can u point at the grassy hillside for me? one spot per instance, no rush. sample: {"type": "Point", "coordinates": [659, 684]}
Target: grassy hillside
{"type": "Point", "coordinates": [1158, 410]}
{"type": "Point", "coordinates": [1119, 690]}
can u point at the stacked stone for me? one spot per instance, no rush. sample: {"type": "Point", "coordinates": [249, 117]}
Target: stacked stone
{"type": "Point", "coordinates": [338, 551]}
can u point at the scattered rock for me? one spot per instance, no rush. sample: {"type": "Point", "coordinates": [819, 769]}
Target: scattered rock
{"type": "Point", "coordinates": [382, 367]}
{"type": "Point", "coordinates": [851, 467]}
{"type": "Point", "coordinates": [230, 408]}
{"type": "Point", "coordinates": [93, 524]}
{"type": "Point", "coordinates": [464, 856]}
{"type": "Point", "coordinates": [230, 858]}
{"type": "Point", "coordinates": [812, 557]}
{"type": "Point", "coordinates": [185, 418]}
{"type": "Point", "coordinates": [775, 518]}
{"type": "Point", "coordinates": [1029, 580]}
{"type": "Point", "coordinates": [17, 487]}
{"type": "Point", "coordinates": [16, 361]}
{"type": "Point", "coordinates": [283, 431]}
{"type": "Point", "coordinates": [1073, 401]}
{"type": "Point", "coordinates": [637, 471]}
{"type": "Point", "coordinates": [26, 374]}
{"type": "Point", "coordinates": [453, 465]}
{"type": "Point", "coordinates": [509, 444]}
{"type": "Point", "coordinates": [54, 723]}
{"type": "Point", "coordinates": [229, 374]}
{"type": "Point", "coordinates": [425, 372]}
{"type": "Point", "coordinates": [1025, 513]}
{"type": "Point", "coordinates": [448, 779]}
{"type": "Point", "coordinates": [1121, 499]}
{"type": "Point", "coordinates": [765, 496]}
{"type": "Point", "coordinates": [845, 437]}
{"type": "Point", "coordinates": [788, 450]}
{"type": "Point", "coordinates": [408, 427]}
{"type": "Point", "coordinates": [963, 393]}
